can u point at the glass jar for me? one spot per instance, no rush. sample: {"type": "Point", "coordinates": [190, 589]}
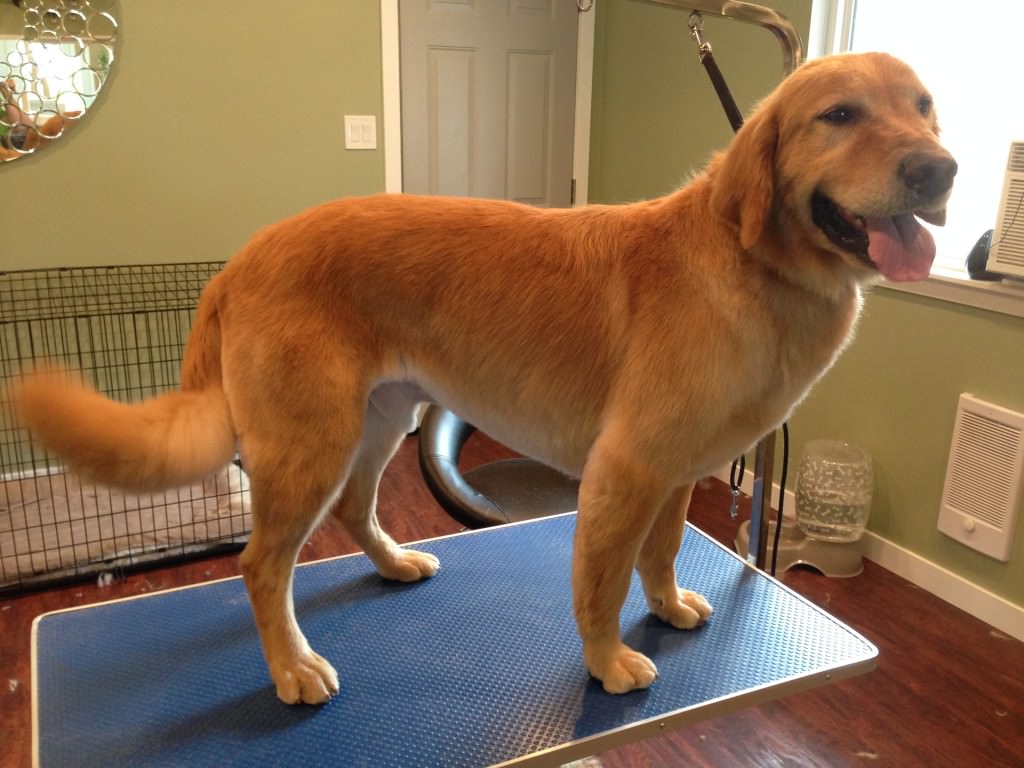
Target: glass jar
{"type": "Point", "coordinates": [833, 490]}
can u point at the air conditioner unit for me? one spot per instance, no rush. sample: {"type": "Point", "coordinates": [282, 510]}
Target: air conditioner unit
{"type": "Point", "coordinates": [1006, 256]}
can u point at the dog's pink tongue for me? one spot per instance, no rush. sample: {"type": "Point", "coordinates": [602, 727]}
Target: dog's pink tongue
{"type": "Point", "coordinates": [900, 247]}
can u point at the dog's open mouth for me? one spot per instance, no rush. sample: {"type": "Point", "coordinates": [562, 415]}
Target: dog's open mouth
{"type": "Point", "coordinates": [844, 229]}
{"type": "Point", "coordinates": [897, 246]}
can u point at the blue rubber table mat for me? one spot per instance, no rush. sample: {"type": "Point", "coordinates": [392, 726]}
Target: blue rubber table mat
{"type": "Point", "coordinates": [477, 666]}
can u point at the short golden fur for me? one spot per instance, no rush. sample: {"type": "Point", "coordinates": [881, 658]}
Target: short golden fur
{"type": "Point", "coordinates": [639, 347]}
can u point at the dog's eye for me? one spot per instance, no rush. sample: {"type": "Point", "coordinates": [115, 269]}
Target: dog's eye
{"type": "Point", "coordinates": [841, 115]}
{"type": "Point", "coordinates": [924, 105]}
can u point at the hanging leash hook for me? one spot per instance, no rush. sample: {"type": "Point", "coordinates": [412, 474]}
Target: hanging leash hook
{"type": "Point", "coordinates": [696, 24]}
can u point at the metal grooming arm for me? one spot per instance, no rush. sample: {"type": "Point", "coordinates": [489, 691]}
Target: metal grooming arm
{"type": "Point", "coordinates": [769, 18]}
{"type": "Point", "coordinates": [792, 55]}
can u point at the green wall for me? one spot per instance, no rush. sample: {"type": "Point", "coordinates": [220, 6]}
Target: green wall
{"type": "Point", "coordinates": [220, 117]}
{"type": "Point", "coordinates": [895, 389]}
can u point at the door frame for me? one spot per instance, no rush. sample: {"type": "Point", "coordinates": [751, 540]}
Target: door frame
{"type": "Point", "coordinates": [392, 94]}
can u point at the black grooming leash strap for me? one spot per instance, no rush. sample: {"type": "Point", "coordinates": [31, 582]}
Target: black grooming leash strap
{"type": "Point", "coordinates": [707, 58]}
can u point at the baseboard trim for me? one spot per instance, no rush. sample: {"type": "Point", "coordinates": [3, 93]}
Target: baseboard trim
{"type": "Point", "coordinates": [994, 610]}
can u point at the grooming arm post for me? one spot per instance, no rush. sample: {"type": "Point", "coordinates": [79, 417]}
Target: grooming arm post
{"type": "Point", "coordinates": [761, 501]}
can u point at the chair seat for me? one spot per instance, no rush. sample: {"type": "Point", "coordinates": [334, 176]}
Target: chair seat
{"type": "Point", "coordinates": [499, 492]}
{"type": "Point", "coordinates": [524, 489]}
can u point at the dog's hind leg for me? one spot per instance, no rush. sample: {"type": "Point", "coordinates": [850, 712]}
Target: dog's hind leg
{"type": "Point", "coordinates": [357, 508]}
{"type": "Point", "coordinates": [681, 608]}
{"type": "Point", "coordinates": [291, 487]}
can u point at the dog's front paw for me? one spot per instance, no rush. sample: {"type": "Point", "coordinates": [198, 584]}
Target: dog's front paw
{"type": "Point", "coordinates": [621, 669]}
{"type": "Point", "coordinates": [684, 610]}
{"type": "Point", "coordinates": [409, 565]}
{"type": "Point", "coordinates": [309, 679]}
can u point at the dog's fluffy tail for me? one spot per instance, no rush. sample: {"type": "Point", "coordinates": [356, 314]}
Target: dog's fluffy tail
{"type": "Point", "coordinates": [170, 440]}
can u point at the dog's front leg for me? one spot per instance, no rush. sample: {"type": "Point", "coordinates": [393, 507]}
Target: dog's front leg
{"type": "Point", "coordinates": [681, 608]}
{"type": "Point", "coordinates": [618, 500]}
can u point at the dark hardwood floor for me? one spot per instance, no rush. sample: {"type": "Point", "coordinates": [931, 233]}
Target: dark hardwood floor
{"type": "Point", "coordinates": [948, 690]}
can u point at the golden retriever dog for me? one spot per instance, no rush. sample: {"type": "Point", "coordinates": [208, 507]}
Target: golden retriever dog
{"type": "Point", "coordinates": [638, 347]}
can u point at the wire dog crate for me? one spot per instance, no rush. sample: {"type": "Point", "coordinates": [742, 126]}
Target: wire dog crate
{"type": "Point", "coordinates": [124, 328]}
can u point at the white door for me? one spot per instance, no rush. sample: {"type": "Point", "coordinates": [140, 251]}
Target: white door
{"type": "Point", "coordinates": [488, 90]}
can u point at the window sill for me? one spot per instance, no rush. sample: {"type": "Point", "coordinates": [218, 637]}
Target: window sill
{"type": "Point", "coordinates": [1006, 297]}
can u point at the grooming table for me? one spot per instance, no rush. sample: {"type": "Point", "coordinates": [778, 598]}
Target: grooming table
{"type": "Point", "coordinates": [477, 666]}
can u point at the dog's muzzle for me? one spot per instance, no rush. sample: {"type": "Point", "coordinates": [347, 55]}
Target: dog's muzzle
{"type": "Point", "coordinates": [929, 175]}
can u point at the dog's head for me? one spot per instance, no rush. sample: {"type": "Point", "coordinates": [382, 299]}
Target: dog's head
{"type": "Point", "coordinates": [845, 155]}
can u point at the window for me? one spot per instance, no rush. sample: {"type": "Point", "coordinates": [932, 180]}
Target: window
{"type": "Point", "coordinates": [969, 58]}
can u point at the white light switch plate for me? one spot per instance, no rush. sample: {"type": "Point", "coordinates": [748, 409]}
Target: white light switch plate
{"type": "Point", "coordinates": [360, 132]}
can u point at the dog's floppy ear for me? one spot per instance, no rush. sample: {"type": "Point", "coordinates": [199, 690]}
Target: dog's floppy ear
{"type": "Point", "coordinates": [744, 181]}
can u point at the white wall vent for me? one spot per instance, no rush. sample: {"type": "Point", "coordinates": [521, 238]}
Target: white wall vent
{"type": "Point", "coordinates": [980, 500]}
{"type": "Point", "coordinates": [1006, 256]}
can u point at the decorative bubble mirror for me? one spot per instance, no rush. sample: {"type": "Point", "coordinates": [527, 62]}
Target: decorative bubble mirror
{"type": "Point", "coordinates": [55, 56]}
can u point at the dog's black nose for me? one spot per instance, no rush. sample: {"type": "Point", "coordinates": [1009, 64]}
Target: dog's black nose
{"type": "Point", "coordinates": [928, 173]}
